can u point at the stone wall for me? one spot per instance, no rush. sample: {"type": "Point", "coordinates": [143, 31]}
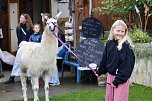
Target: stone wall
{"type": "Point", "coordinates": [142, 73]}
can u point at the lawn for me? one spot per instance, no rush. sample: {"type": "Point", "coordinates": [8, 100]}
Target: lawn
{"type": "Point", "coordinates": [137, 93]}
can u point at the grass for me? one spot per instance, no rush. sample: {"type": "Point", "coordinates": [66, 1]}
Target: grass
{"type": "Point", "coordinates": [137, 93]}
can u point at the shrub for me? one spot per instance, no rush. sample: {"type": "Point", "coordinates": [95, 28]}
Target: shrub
{"type": "Point", "coordinates": [143, 49]}
{"type": "Point", "coordinates": [138, 36]}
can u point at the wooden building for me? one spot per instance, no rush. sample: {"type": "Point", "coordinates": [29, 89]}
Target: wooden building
{"type": "Point", "coordinates": [10, 11]}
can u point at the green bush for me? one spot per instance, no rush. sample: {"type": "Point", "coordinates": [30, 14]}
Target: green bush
{"type": "Point", "coordinates": [138, 36]}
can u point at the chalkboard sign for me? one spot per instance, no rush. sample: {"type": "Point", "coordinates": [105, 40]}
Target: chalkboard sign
{"type": "Point", "coordinates": [89, 51]}
{"type": "Point", "coordinates": [92, 28]}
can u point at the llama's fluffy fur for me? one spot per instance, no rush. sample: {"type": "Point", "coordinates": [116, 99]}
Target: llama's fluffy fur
{"type": "Point", "coordinates": [40, 60]}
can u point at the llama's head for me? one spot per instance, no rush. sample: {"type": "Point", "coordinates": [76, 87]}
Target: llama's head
{"type": "Point", "coordinates": [52, 23]}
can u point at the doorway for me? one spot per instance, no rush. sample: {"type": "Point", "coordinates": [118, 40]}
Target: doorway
{"type": "Point", "coordinates": [4, 24]}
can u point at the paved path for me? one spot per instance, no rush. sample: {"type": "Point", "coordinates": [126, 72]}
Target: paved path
{"type": "Point", "coordinates": [9, 92]}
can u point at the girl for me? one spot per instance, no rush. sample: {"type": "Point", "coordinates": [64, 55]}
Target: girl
{"type": "Point", "coordinates": [118, 61]}
{"type": "Point", "coordinates": [24, 28]}
{"type": "Point", "coordinates": [45, 16]}
{"type": "Point", "coordinates": [23, 32]}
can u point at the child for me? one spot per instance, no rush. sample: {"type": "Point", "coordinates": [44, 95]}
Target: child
{"type": "Point", "coordinates": [118, 61]}
{"type": "Point", "coordinates": [37, 35]}
{"type": "Point", "coordinates": [23, 32]}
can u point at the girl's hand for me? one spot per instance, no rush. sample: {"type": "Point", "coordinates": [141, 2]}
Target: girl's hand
{"type": "Point", "coordinates": [96, 75]}
{"type": "Point", "coordinates": [113, 85]}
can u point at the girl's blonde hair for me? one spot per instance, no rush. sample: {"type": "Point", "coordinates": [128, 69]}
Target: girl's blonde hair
{"type": "Point", "coordinates": [125, 38]}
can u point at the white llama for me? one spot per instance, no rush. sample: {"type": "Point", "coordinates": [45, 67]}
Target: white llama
{"type": "Point", "coordinates": [39, 59]}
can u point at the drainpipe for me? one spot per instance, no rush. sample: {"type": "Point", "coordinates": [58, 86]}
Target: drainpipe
{"type": "Point", "coordinates": [90, 8]}
{"type": "Point", "coordinates": [74, 22]}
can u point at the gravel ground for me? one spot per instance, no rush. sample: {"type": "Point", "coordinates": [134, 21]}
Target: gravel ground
{"type": "Point", "coordinates": [9, 92]}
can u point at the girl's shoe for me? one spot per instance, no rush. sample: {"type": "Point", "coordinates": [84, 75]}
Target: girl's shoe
{"type": "Point", "coordinates": [1, 76]}
{"type": "Point", "coordinates": [10, 80]}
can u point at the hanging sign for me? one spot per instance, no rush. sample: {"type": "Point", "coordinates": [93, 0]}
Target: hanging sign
{"type": "Point", "coordinates": [89, 51]}
{"type": "Point", "coordinates": [92, 28]}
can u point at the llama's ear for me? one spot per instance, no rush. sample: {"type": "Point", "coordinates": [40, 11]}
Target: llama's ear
{"type": "Point", "coordinates": [57, 16]}
{"type": "Point", "coordinates": [44, 16]}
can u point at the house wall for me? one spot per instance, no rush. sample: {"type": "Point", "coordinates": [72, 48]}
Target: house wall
{"type": "Point", "coordinates": [39, 6]}
{"type": "Point", "coordinates": [63, 7]}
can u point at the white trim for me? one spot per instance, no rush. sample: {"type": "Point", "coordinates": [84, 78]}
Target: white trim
{"type": "Point", "coordinates": [85, 68]}
{"type": "Point", "coordinates": [23, 31]}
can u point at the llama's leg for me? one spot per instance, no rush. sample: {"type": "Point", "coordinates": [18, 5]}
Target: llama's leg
{"type": "Point", "coordinates": [23, 81]}
{"type": "Point", "coordinates": [35, 86]}
{"type": "Point", "coordinates": [46, 78]}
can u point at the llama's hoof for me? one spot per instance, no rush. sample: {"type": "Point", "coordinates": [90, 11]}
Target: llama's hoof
{"type": "Point", "coordinates": [37, 99]}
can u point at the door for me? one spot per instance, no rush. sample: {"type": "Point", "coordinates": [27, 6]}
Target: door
{"type": "Point", "coordinates": [13, 25]}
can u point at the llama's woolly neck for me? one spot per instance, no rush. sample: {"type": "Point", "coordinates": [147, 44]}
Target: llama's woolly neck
{"type": "Point", "coordinates": [48, 39]}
